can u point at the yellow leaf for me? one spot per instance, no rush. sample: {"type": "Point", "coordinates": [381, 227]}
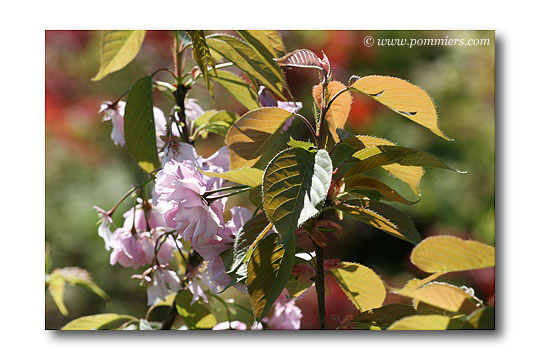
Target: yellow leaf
{"type": "Point", "coordinates": [361, 285]}
{"type": "Point", "coordinates": [57, 287]}
{"type": "Point", "coordinates": [411, 175]}
{"type": "Point", "coordinates": [118, 48]}
{"type": "Point", "coordinates": [248, 137]}
{"type": "Point", "coordinates": [449, 253]}
{"type": "Point", "coordinates": [441, 295]}
{"type": "Point", "coordinates": [402, 97]}
{"type": "Point", "coordinates": [95, 322]}
{"type": "Point", "coordinates": [421, 322]}
{"type": "Point", "coordinates": [383, 217]}
{"type": "Point", "coordinates": [246, 176]}
{"type": "Point", "coordinates": [339, 110]}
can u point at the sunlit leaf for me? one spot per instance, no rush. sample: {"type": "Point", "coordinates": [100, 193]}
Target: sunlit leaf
{"type": "Point", "coordinates": [411, 175]}
{"type": "Point", "coordinates": [202, 56]}
{"type": "Point", "coordinates": [238, 88]}
{"type": "Point", "coordinates": [252, 133]}
{"type": "Point", "coordinates": [57, 287]}
{"type": "Point", "coordinates": [118, 48]}
{"type": "Point", "coordinates": [246, 176]}
{"type": "Point", "coordinates": [270, 39]}
{"type": "Point", "coordinates": [139, 127]}
{"type": "Point", "coordinates": [306, 145]}
{"type": "Point", "coordinates": [402, 97]}
{"type": "Point", "coordinates": [382, 217]}
{"type": "Point", "coordinates": [96, 322]}
{"type": "Point", "coordinates": [364, 185]}
{"type": "Point", "coordinates": [374, 156]}
{"type": "Point", "coordinates": [295, 186]}
{"type": "Point", "coordinates": [247, 234]}
{"type": "Point", "coordinates": [268, 272]}
{"type": "Point", "coordinates": [196, 315]}
{"type": "Point", "coordinates": [441, 295]}
{"type": "Point", "coordinates": [263, 47]}
{"type": "Point", "coordinates": [249, 61]}
{"type": "Point", "coordinates": [361, 285]}
{"type": "Point", "coordinates": [339, 110]}
{"type": "Point", "coordinates": [421, 322]}
{"type": "Point", "coordinates": [449, 253]}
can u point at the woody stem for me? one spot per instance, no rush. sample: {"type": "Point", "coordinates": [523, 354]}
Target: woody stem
{"type": "Point", "coordinates": [319, 285]}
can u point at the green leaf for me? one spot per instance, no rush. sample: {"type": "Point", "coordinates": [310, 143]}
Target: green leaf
{"type": "Point", "coordinates": [96, 322]}
{"type": "Point", "coordinates": [196, 316]}
{"type": "Point", "coordinates": [57, 287]}
{"type": "Point", "coordinates": [447, 253]}
{"type": "Point", "coordinates": [374, 156]}
{"type": "Point", "coordinates": [270, 39]}
{"type": "Point", "coordinates": [202, 56]}
{"type": "Point", "coordinates": [269, 269]}
{"type": "Point", "coordinates": [361, 285]}
{"type": "Point", "coordinates": [382, 217]}
{"type": "Point", "coordinates": [402, 97]}
{"type": "Point", "coordinates": [295, 187]}
{"type": "Point", "coordinates": [421, 322]}
{"type": "Point", "coordinates": [247, 234]}
{"type": "Point", "coordinates": [246, 176]}
{"type": "Point", "coordinates": [139, 127]}
{"type": "Point", "coordinates": [364, 185]}
{"type": "Point", "coordinates": [217, 122]}
{"type": "Point", "coordinates": [250, 135]}
{"type": "Point", "coordinates": [249, 61]}
{"type": "Point", "coordinates": [411, 175]}
{"type": "Point", "coordinates": [118, 48]}
{"type": "Point", "coordinates": [262, 46]}
{"type": "Point", "coordinates": [306, 145]}
{"type": "Point", "coordinates": [238, 88]}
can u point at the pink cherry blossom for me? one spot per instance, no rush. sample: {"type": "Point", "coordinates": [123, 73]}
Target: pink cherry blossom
{"type": "Point", "coordinates": [286, 315]}
{"type": "Point", "coordinates": [179, 151]}
{"type": "Point", "coordinates": [129, 250]}
{"type": "Point", "coordinates": [153, 214]}
{"type": "Point", "coordinates": [180, 186]}
{"type": "Point", "coordinates": [104, 229]}
{"type": "Point", "coordinates": [137, 249]}
{"type": "Point", "coordinates": [233, 325]}
{"type": "Point", "coordinates": [160, 281]}
{"type": "Point", "coordinates": [115, 114]}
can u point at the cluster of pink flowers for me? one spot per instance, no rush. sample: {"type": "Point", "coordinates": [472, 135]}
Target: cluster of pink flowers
{"type": "Point", "coordinates": [179, 190]}
{"type": "Point", "coordinates": [180, 206]}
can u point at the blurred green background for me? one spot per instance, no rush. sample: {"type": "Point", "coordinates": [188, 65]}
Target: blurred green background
{"type": "Point", "coordinates": [84, 168]}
